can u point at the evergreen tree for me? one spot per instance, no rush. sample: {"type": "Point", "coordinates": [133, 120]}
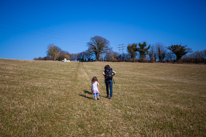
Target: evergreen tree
{"type": "Point", "coordinates": [179, 50]}
{"type": "Point", "coordinates": [132, 50]}
{"type": "Point", "coordinates": [143, 50]}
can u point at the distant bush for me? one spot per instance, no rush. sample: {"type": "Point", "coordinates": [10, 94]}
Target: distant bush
{"type": "Point", "coordinates": [196, 57]}
{"type": "Point", "coordinates": [44, 58]}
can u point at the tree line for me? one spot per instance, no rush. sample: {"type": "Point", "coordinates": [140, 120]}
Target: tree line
{"type": "Point", "coordinates": [99, 50]}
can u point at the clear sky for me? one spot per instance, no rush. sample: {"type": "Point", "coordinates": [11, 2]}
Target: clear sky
{"type": "Point", "coordinates": [27, 27]}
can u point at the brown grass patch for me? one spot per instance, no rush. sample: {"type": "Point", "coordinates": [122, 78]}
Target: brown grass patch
{"type": "Point", "coordinates": [54, 99]}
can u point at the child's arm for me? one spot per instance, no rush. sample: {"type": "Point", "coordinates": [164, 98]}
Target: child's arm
{"type": "Point", "coordinates": [98, 85]}
{"type": "Point", "coordinates": [91, 86]}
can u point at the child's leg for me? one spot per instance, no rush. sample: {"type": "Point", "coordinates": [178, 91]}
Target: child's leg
{"type": "Point", "coordinates": [95, 95]}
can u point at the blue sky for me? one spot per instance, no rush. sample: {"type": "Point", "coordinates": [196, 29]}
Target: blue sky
{"type": "Point", "coordinates": [27, 27]}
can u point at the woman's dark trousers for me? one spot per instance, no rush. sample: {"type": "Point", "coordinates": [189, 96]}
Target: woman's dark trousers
{"type": "Point", "coordinates": [109, 83]}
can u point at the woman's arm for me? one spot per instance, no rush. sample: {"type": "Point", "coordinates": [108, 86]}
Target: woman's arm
{"type": "Point", "coordinates": [114, 72]}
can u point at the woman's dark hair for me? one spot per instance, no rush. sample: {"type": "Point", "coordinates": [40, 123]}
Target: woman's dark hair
{"type": "Point", "coordinates": [94, 79]}
{"type": "Point", "coordinates": [107, 67]}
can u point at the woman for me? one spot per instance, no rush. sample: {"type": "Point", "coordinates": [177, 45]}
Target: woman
{"type": "Point", "coordinates": [108, 74]}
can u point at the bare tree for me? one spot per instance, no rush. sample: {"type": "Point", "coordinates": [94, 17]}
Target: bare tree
{"type": "Point", "coordinates": [73, 57]}
{"type": "Point", "coordinates": [53, 51]}
{"type": "Point", "coordinates": [62, 55]}
{"type": "Point", "coordinates": [111, 55]}
{"type": "Point", "coordinates": [80, 56]}
{"type": "Point", "coordinates": [169, 56]}
{"type": "Point", "coordinates": [98, 45]}
{"type": "Point", "coordinates": [87, 54]}
{"type": "Point", "coordinates": [152, 54]}
{"type": "Point", "coordinates": [161, 51]}
{"type": "Point", "coordinates": [195, 57]}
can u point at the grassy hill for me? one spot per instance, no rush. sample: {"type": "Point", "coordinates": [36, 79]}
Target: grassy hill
{"type": "Point", "coordinates": [42, 98]}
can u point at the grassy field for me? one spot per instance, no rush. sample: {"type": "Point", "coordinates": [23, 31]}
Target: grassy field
{"type": "Point", "coordinates": [40, 98]}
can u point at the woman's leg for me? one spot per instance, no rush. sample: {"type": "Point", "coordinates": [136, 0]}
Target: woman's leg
{"type": "Point", "coordinates": [111, 85]}
{"type": "Point", "coordinates": [107, 88]}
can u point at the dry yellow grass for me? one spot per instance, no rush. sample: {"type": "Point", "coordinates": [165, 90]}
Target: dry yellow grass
{"type": "Point", "coordinates": [54, 99]}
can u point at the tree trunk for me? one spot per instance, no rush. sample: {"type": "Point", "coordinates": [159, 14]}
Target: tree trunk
{"type": "Point", "coordinates": [97, 56]}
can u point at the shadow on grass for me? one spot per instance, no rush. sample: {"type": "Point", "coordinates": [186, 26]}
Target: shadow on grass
{"type": "Point", "coordinates": [104, 96]}
{"type": "Point", "coordinates": [85, 91]}
{"type": "Point", "coordinates": [85, 96]}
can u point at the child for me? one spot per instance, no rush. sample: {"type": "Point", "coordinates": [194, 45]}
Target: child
{"type": "Point", "coordinates": [95, 87]}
